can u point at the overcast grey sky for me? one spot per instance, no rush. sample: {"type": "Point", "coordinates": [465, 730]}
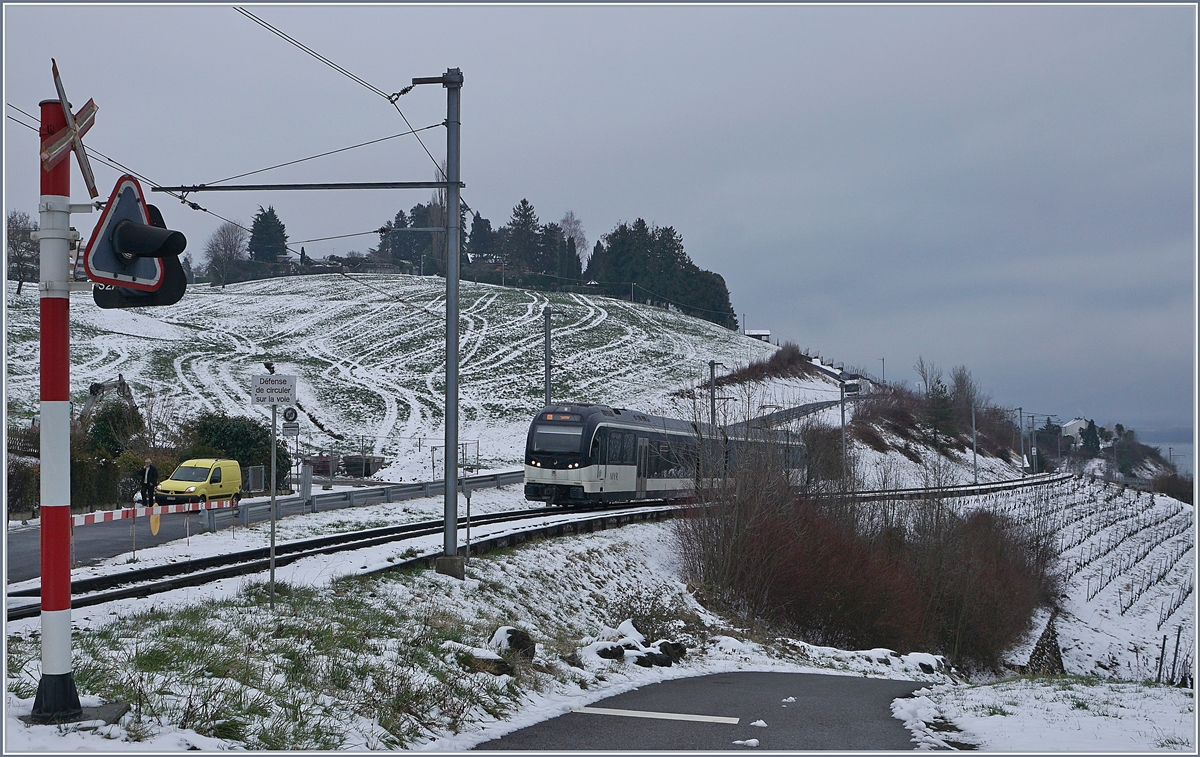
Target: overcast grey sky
{"type": "Point", "coordinates": [1009, 188]}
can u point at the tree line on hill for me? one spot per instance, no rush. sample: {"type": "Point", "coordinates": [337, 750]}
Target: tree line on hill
{"type": "Point", "coordinates": [638, 260]}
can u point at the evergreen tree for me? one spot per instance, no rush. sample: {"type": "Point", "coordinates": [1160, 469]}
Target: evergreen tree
{"type": "Point", "coordinates": [482, 243]}
{"type": "Point", "coordinates": [520, 244]}
{"type": "Point", "coordinates": [1089, 439]}
{"type": "Point", "coordinates": [396, 246]}
{"type": "Point", "coordinates": [572, 267]}
{"type": "Point", "coordinates": [185, 263]}
{"type": "Point", "coordinates": [552, 249]}
{"type": "Point", "coordinates": [654, 259]}
{"type": "Point", "coordinates": [423, 256]}
{"type": "Point", "coordinates": [939, 410]}
{"type": "Point", "coordinates": [268, 238]}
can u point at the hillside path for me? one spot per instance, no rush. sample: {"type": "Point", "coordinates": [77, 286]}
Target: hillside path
{"type": "Point", "coordinates": [830, 712]}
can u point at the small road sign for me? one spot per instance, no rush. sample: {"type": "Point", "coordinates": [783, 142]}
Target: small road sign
{"type": "Point", "coordinates": [289, 415]}
{"type": "Point", "coordinates": [272, 389]}
{"type": "Point", "coordinates": [291, 428]}
{"type": "Point", "coordinates": [56, 145]}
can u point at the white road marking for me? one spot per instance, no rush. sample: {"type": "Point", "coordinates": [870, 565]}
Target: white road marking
{"type": "Point", "coordinates": [656, 715]}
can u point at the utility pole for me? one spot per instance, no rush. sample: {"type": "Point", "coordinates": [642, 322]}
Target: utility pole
{"type": "Point", "coordinates": [842, 387]}
{"type": "Point", "coordinates": [974, 444]}
{"type": "Point", "coordinates": [546, 327]}
{"type": "Point", "coordinates": [883, 378]}
{"type": "Point", "coordinates": [1021, 437]}
{"type": "Point", "coordinates": [451, 563]}
{"type": "Point", "coordinates": [632, 284]}
{"type": "Point", "coordinates": [852, 388]}
{"type": "Point", "coordinates": [712, 391]}
{"type": "Point", "coordinates": [273, 514]}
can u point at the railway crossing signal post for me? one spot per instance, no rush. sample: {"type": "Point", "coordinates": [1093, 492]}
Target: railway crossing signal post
{"type": "Point", "coordinates": [61, 133]}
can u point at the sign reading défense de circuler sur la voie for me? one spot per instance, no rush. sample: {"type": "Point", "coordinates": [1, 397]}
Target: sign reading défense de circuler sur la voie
{"type": "Point", "coordinates": [273, 389]}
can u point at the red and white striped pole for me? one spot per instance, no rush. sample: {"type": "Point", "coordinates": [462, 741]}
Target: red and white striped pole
{"type": "Point", "coordinates": [57, 699]}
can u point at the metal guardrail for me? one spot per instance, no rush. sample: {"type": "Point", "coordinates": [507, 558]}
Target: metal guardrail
{"type": "Point", "coordinates": [960, 490]}
{"type": "Point", "coordinates": [359, 497]}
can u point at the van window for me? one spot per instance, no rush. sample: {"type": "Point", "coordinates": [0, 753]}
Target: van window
{"type": "Point", "coordinates": [216, 475]}
{"type": "Point", "coordinates": [190, 473]}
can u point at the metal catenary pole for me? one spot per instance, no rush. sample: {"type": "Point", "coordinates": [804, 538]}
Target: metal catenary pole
{"type": "Point", "coordinates": [1021, 437]}
{"type": "Point", "coordinates": [712, 393]}
{"type": "Point", "coordinates": [546, 328]}
{"type": "Point", "coordinates": [842, 386]}
{"type": "Point", "coordinates": [56, 696]}
{"type": "Point", "coordinates": [974, 444]}
{"type": "Point", "coordinates": [452, 80]}
{"type": "Point", "coordinates": [274, 409]}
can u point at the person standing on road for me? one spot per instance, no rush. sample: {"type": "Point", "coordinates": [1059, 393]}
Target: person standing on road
{"type": "Point", "coordinates": [149, 482]}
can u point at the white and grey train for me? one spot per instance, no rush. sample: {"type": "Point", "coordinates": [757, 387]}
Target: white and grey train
{"type": "Point", "coordinates": [580, 454]}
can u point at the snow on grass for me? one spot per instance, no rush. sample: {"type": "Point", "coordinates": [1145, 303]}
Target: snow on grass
{"type": "Point", "coordinates": [1067, 713]}
{"type": "Point", "coordinates": [363, 662]}
{"type": "Point", "coordinates": [1128, 563]}
{"type": "Point", "coordinates": [371, 368]}
{"type": "Point", "coordinates": [1127, 558]}
{"type": "Point", "coordinates": [573, 594]}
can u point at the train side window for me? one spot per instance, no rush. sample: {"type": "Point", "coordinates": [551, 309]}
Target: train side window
{"type": "Point", "coordinates": [629, 448]}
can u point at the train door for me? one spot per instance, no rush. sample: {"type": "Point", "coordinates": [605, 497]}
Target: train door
{"type": "Point", "coordinates": [600, 453]}
{"type": "Point", "coordinates": [643, 459]}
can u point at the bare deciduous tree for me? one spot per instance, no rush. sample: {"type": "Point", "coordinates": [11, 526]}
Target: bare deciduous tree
{"type": "Point", "coordinates": [929, 372]}
{"type": "Point", "coordinates": [572, 227]}
{"type": "Point", "coordinates": [22, 250]}
{"type": "Point", "coordinates": [225, 249]}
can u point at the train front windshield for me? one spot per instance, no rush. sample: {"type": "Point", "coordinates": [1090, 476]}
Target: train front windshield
{"type": "Point", "coordinates": [547, 438]}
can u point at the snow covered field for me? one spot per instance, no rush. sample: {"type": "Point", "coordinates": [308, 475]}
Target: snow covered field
{"type": "Point", "coordinates": [368, 361]}
{"type": "Point", "coordinates": [369, 354]}
{"type": "Point", "coordinates": [573, 589]}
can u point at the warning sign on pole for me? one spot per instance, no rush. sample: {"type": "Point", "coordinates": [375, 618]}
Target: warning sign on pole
{"type": "Point", "coordinates": [273, 390]}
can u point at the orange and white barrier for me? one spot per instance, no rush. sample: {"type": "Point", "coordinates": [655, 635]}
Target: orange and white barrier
{"type": "Point", "coordinates": [141, 512]}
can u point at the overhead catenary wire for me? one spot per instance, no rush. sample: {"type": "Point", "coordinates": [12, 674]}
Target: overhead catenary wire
{"type": "Point", "coordinates": [292, 40]}
{"type": "Point", "coordinates": [391, 98]}
{"type": "Point", "coordinates": [321, 155]}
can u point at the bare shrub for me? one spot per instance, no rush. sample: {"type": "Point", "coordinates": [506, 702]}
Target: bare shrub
{"type": "Point", "coordinates": [835, 587]}
{"type": "Point", "coordinates": [1175, 485]}
{"type": "Point", "coordinates": [24, 484]}
{"type": "Point", "coordinates": [787, 361]}
{"type": "Point", "coordinates": [991, 576]}
{"type": "Point", "coordinates": [903, 575]}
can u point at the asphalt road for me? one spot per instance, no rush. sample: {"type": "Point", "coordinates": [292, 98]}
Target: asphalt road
{"type": "Point", "coordinates": [830, 713]}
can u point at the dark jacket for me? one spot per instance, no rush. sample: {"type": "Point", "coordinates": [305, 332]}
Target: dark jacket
{"type": "Point", "coordinates": [152, 480]}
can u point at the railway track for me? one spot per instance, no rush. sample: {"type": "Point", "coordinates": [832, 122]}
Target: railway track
{"type": "Point", "coordinates": [162, 578]}
{"type": "Point", "coordinates": [155, 580]}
